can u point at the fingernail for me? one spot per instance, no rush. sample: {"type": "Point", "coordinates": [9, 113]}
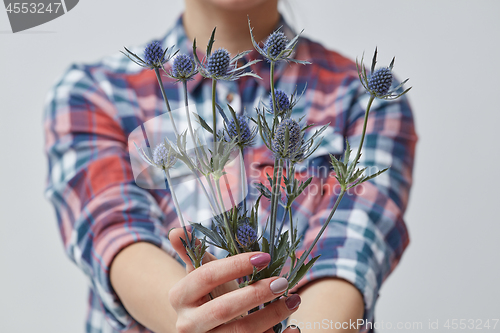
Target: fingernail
{"type": "Point", "coordinates": [294, 328]}
{"type": "Point", "coordinates": [279, 285]}
{"type": "Point", "coordinates": [292, 302]}
{"type": "Point", "coordinates": [260, 260]}
{"type": "Point", "coordinates": [168, 234]}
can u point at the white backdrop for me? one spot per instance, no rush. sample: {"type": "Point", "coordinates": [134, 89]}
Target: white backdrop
{"type": "Point", "coordinates": [448, 48]}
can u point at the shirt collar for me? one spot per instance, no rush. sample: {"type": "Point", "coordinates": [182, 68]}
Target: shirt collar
{"type": "Point", "coordinates": [178, 39]}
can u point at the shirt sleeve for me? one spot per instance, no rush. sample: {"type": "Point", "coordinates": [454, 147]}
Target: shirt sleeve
{"type": "Point", "coordinates": [100, 210]}
{"type": "Point", "coordinates": [367, 235]}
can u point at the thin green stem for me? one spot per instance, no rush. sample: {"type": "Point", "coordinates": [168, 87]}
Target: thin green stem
{"type": "Point", "coordinates": [293, 237]}
{"type": "Point", "coordinates": [190, 127]}
{"type": "Point", "coordinates": [186, 100]}
{"type": "Point", "coordinates": [285, 215]}
{"type": "Point", "coordinates": [306, 254]}
{"type": "Point", "coordinates": [160, 82]}
{"type": "Point", "coordinates": [271, 84]}
{"type": "Point", "coordinates": [219, 192]}
{"type": "Point", "coordinates": [274, 201]}
{"type": "Point", "coordinates": [198, 154]}
{"type": "Point", "coordinates": [358, 154]}
{"type": "Point", "coordinates": [214, 211]}
{"type": "Point", "coordinates": [228, 187]}
{"type": "Point", "coordinates": [288, 171]}
{"type": "Point", "coordinates": [228, 227]}
{"type": "Point", "coordinates": [214, 114]}
{"type": "Point", "coordinates": [212, 191]}
{"type": "Point", "coordinates": [291, 179]}
{"type": "Point", "coordinates": [273, 96]}
{"type": "Point", "coordinates": [176, 204]}
{"type": "Point", "coordinates": [243, 179]}
{"type": "Point", "coordinates": [186, 103]}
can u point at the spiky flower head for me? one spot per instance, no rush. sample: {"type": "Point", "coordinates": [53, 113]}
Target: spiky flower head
{"type": "Point", "coordinates": [277, 47]}
{"type": "Point", "coordinates": [220, 66]}
{"type": "Point", "coordinates": [380, 81]}
{"type": "Point", "coordinates": [218, 62]}
{"type": "Point", "coordinates": [244, 129]}
{"type": "Point", "coordinates": [183, 68]}
{"type": "Point", "coordinates": [287, 147]}
{"type": "Point", "coordinates": [153, 53]}
{"type": "Point", "coordinates": [246, 235]}
{"type": "Point", "coordinates": [282, 101]}
{"type": "Point", "coordinates": [275, 44]}
{"type": "Point", "coordinates": [378, 84]}
{"type": "Point", "coordinates": [164, 157]}
{"type": "Point", "coordinates": [154, 56]}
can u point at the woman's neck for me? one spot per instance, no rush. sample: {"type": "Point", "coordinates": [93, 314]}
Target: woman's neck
{"type": "Point", "coordinates": [200, 17]}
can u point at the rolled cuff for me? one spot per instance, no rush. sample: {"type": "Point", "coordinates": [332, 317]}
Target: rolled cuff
{"type": "Point", "coordinates": [350, 266]}
{"type": "Point", "coordinates": [105, 249]}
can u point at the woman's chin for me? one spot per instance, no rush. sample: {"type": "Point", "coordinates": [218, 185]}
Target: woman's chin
{"type": "Point", "coordinates": [238, 5]}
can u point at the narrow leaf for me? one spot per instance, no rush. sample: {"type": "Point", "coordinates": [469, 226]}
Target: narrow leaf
{"type": "Point", "coordinates": [211, 42]}
{"type": "Point", "coordinates": [203, 123]}
{"type": "Point", "coordinates": [347, 153]}
{"type": "Point", "coordinates": [301, 273]}
{"type": "Point", "coordinates": [374, 60]}
{"type": "Point", "coordinates": [372, 176]}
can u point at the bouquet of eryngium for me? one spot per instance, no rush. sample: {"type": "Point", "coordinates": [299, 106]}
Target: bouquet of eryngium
{"type": "Point", "coordinates": [234, 226]}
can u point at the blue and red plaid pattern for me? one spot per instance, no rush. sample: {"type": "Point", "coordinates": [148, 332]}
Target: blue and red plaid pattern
{"type": "Point", "coordinates": [100, 210]}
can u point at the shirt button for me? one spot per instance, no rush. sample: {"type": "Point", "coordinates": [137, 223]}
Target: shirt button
{"type": "Point", "coordinates": [230, 97]}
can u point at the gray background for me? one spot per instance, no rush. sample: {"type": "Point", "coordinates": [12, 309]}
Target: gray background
{"type": "Point", "coordinates": [449, 49]}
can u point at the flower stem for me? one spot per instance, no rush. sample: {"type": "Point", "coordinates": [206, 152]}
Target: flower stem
{"type": "Point", "coordinates": [306, 254]}
{"type": "Point", "coordinates": [191, 132]}
{"type": "Point", "coordinates": [358, 154]}
{"type": "Point", "coordinates": [273, 97]}
{"type": "Point", "coordinates": [207, 195]}
{"type": "Point", "coordinates": [271, 84]}
{"type": "Point", "coordinates": [160, 82]}
{"type": "Point", "coordinates": [288, 173]}
{"type": "Point", "coordinates": [176, 205]}
{"type": "Point", "coordinates": [198, 154]}
{"type": "Point", "coordinates": [293, 237]}
{"type": "Point", "coordinates": [228, 227]}
{"type": "Point", "coordinates": [291, 179]}
{"type": "Point", "coordinates": [243, 179]}
{"type": "Point", "coordinates": [274, 201]}
{"type": "Point", "coordinates": [285, 215]}
{"type": "Point", "coordinates": [277, 170]}
{"type": "Point", "coordinates": [214, 114]}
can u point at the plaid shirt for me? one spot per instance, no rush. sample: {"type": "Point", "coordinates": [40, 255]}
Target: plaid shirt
{"type": "Point", "coordinates": [100, 210]}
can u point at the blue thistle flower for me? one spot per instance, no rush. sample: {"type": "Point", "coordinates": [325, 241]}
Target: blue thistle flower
{"type": "Point", "coordinates": [277, 47]}
{"type": "Point", "coordinates": [282, 101]}
{"type": "Point", "coordinates": [232, 130]}
{"type": "Point", "coordinates": [295, 141]}
{"type": "Point", "coordinates": [218, 62]}
{"type": "Point", "coordinates": [164, 157]}
{"type": "Point", "coordinates": [153, 54]}
{"type": "Point", "coordinates": [220, 66]}
{"type": "Point", "coordinates": [246, 235]}
{"type": "Point", "coordinates": [275, 44]}
{"type": "Point", "coordinates": [380, 81]}
{"type": "Point", "coordinates": [183, 68]}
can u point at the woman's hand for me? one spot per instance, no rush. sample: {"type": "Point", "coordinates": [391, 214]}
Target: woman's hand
{"type": "Point", "coordinates": [198, 313]}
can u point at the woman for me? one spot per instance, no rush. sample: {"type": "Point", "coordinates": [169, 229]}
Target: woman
{"type": "Point", "coordinates": [118, 233]}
